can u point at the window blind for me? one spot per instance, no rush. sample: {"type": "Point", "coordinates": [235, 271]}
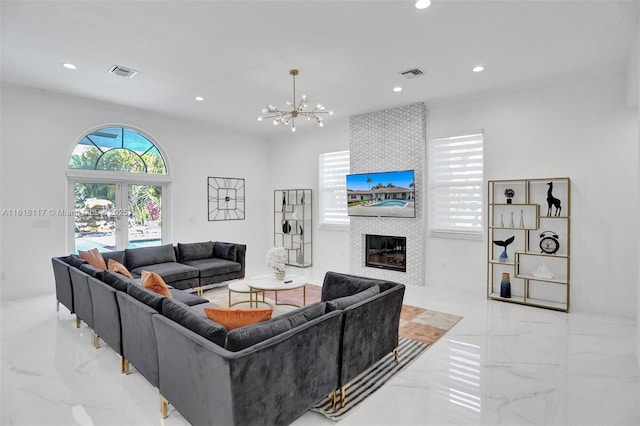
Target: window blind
{"type": "Point", "coordinates": [334, 166]}
{"type": "Point", "coordinates": [455, 184]}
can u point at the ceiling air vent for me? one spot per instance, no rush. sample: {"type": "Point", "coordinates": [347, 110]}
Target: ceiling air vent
{"type": "Point", "coordinates": [412, 73]}
{"type": "Point", "coordinates": [122, 71]}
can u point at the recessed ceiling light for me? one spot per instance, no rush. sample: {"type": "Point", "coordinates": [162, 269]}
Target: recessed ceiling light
{"type": "Point", "coordinates": [397, 89]}
{"type": "Point", "coordinates": [423, 4]}
{"type": "Point", "coordinates": [479, 68]}
{"type": "Point", "coordinates": [69, 66]}
{"type": "Point", "coordinates": [199, 98]}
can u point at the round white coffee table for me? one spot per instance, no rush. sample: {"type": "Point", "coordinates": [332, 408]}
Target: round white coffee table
{"type": "Point", "coordinates": [268, 282]}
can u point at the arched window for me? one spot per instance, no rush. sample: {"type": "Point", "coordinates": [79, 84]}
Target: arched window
{"type": "Point", "coordinates": [118, 189]}
{"type": "Point", "coordinates": [117, 149]}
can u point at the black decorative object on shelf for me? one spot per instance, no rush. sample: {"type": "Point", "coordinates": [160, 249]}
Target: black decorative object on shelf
{"type": "Point", "coordinates": [553, 201]}
{"type": "Point", "coordinates": [286, 226]}
{"type": "Point", "coordinates": [549, 243]}
{"type": "Point", "coordinates": [225, 198]}
{"type": "Point", "coordinates": [503, 256]}
{"type": "Point", "coordinates": [509, 193]}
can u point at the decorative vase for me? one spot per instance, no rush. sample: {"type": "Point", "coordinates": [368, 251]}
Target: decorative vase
{"type": "Point", "coordinates": [505, 286]}
{"type": "Point", "coordinates": [511, 224]}
{"type": "Point", "coordinates": [521, 218]}
{"type": "Point", "coordinates": [501, 221]}
{"type": "Point", "coordinates": [504, 257]}
{"type": "Point", "coordinates": [279, 274]}
{"type": "Point", "coordinates": [300, 258]}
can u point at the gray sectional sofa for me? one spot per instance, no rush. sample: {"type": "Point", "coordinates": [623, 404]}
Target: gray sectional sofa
{"type": "Point", "coordinates": [268, 373]}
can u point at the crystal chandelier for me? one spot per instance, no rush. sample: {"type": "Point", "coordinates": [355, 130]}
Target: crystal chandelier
{"type": "Point", "coordinates": [296, 109]}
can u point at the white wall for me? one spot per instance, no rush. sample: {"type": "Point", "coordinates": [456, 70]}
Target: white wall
{"type": "Point", "coordinates": [38, 130]}
{"type": "Point", "coordinates": [580, 128]}
{"type": "Point", "coordinates": [294, 161]}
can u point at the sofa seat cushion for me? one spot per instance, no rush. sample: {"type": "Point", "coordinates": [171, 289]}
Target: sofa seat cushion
{"type": "Point", "coordinates": [169, 271]}
{"type": "Point", "coordinates": [344, 302]}
{"type": "Point", "coordinates": [214, 266]}
{"type": "Point", "coordinates": [340, 285]}
{"type": "Point", "coordinates": [194, 251]}
{"type": "Point", "coordinates": [198, 323]}
{"type": "Point", "coordinates": [135, 258]}
{"type": "Point", "coordinates": [244, 337]}
{"type": "Point", "coordinates": [187, 298]}
{"type": "Point", "coordinates": [117, 281]}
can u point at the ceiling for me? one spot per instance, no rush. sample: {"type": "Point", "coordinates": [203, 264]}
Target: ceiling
{"type": "Point", "coordinates": [237, 54]}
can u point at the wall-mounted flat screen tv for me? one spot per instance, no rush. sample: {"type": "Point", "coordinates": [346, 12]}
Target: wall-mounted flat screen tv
{"type": "Point", "coordinates": [381, 194]}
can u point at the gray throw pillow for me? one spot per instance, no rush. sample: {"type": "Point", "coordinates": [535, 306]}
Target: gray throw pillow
{"type": "Point", "coordinates": [344, 302]}
{"type": "Point", "coordinates": [225, 251]}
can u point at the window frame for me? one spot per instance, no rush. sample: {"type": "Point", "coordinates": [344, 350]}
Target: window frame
{"type": "Point", "coordinates": [438, 230]}
{"type": "Point", "coordinates": [121, 179]}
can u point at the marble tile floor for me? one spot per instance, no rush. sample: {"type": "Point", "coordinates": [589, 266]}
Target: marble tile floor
{"type": "Point", "coordinates": [502, 364]}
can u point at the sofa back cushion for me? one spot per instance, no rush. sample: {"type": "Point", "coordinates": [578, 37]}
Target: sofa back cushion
{"type": "Point", "coordinates": [195, 251]}
{"type": "Point", "coordinates": [74, 260]}
{"type": "Point", "coordinates": [89, 269]}
{"type": "Point", "coordinates": [117, 255]}
{"type": "Point", "coordinates": [344, 302]}
{"type": "Point", "coordinates": [244, 337]}
{"type": "Point", "coordinates": [340, 285]}
{"type": "Point", "coordinates": [117, 281]}
{"type": "Point", "coordinates": [135, 258]}
{"type": "Point", "coordinates": [225, 251]}
{"type": "Point", "coordinates": [200, 325]}
{"type": "Point", "coordinates": [149, 298]}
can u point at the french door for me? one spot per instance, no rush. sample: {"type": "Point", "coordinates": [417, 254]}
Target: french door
{"type": "Point", "coordinates": [116, 215]}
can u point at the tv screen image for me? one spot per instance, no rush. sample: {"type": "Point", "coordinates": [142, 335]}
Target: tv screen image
{"type": "Point", "coordinates": [381, 194]}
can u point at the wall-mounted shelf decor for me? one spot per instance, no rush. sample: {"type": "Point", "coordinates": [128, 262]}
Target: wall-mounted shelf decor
{"type": "Point", "coordinates": [530, 220]}
{"type": "Point", "coordinates": [293, 224]}
{"type": "Point", "coordinates": [225, 198]}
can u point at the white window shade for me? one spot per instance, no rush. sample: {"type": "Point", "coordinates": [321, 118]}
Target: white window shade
{"type": "Point", "coordinates": [455, 185]}
{"type": "Point", "coordinates": [333, 167]}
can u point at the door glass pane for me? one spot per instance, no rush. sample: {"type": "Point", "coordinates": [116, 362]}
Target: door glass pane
{"type": "Point", "coordinates": [95, 219]}
{"type": "Point", "coordinates": [145, 215]}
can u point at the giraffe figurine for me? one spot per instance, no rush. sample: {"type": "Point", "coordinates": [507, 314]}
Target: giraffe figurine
{"type": "Point", "coordinates": [553, 201]}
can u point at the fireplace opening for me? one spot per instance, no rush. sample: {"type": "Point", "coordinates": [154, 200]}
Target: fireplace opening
{"type": "Point", "coordinates": [386, 252]}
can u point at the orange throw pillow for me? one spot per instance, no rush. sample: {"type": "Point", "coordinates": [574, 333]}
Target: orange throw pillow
{"type": "Point", "coordinates": [115, 266]}
{"type": "Point", "coordinates": [94, 257]}
{"type": "Point", "coordinates": [154, 282]}
{"type": "Point", "coordinates": [232, 318]}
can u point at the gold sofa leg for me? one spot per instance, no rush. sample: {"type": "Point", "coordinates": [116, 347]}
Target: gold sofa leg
{"type": "Point", "coordinates": [77, 322]}
{"type": "Point", "coordinates": [396, 355]}
{"type": "Point", "coordinates": [333, 397]}
{"type": "Point", "coordinates": [96, 340]}
{"type": "Point", "coordinates": [164, 407]}
{"type": "Point", "coordinates": [124, 364]}
{"type": "Point", "coordinates": [343, 394]}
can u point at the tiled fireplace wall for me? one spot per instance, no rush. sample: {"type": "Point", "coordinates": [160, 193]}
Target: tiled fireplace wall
{"type": "Point", "coordinates": [393, 139]}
